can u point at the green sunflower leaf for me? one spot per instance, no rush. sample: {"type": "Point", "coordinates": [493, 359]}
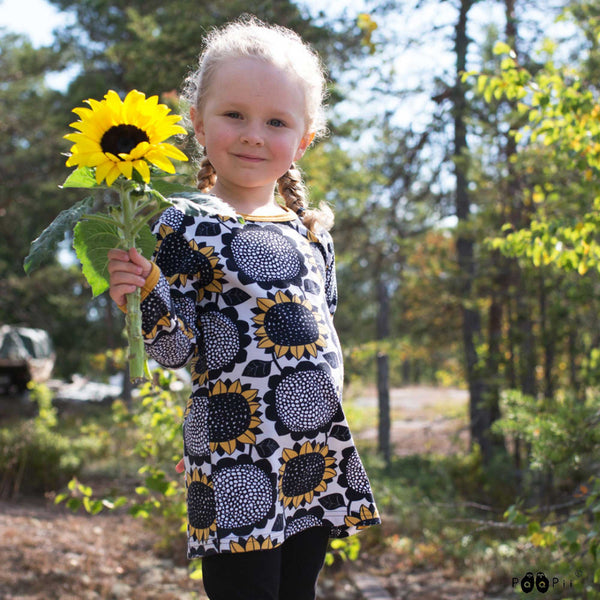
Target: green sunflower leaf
{"type": "Point", "coordinates": [43, 248]}
{"type": "Point", "coordinates": [81, 178]}
{"type": "Point", "coordinates": [146, 242]}
{"type": "Point", "coordinates": [196, 203]}
{"type": "Point", "coordinates": [93, 240]}
{"type": "Point", "coordinates": [168, 188]}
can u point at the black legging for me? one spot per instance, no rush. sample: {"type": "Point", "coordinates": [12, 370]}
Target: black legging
{"type": "Point", "coordinates": [288, 572]}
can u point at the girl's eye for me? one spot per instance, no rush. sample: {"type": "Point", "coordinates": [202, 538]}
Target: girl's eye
{"type": "Point", "coordinates": [233, 115]}
{"type": "Point", "coordinates": [276, 123]}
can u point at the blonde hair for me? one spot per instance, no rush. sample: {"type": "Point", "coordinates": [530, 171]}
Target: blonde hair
{"type": "Point", "coordinates": [283, 48]}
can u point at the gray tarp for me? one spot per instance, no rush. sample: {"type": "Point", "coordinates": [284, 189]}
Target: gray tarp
{"type": "Point", "coordinates": [25, 354]}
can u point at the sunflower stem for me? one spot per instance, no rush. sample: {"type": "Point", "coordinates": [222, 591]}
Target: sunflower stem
{"type": "Point", "coordinates": [141, 207]}
{"type": "Point", "coordinates": [133, 320]}
{"type": "Point", "coordinates": [141, 223]}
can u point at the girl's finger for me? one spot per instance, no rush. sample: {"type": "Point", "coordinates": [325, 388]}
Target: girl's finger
{"type": "Point", "coordinates": [140, 261]}
{"type": "Point", "coordinates": [117, 254]}
{"type": "Point", "coordinates": [180, 467]}
{"type": "Point", "coordinates": [118, 277]}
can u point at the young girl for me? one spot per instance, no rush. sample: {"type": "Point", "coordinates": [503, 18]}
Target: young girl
{"type": "Point", "coordinates": [245, 291]}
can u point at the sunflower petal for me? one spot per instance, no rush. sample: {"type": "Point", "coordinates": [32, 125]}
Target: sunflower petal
{"type": "Point", "coordinates": [161, 161]}
{"type": "Point", "coordinates": [83, 113]}
{"type": "Point", "coordinates": [172, 152]}
{"type": "Point", "coordinates": [112, 175]}
{"type": "Point", "coordinates": [102, 170]}
{"type": "Point", "coordinates": [125, 167]}
{"type": "Point", "coordinates": [140, 150]}
{"type": "Point", "coordinates": [141, 166]}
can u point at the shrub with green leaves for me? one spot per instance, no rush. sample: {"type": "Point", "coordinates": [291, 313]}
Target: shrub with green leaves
{"type": "Point", "coordinates": [160, 494]}
{"type": "Point", "coordinates": [35, 457]}
{"type": "Point", "coordinates": [563, 444]}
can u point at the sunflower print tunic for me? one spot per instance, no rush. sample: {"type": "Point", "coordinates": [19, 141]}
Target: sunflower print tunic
{"type": "Point", "coordinates": [249, 304]}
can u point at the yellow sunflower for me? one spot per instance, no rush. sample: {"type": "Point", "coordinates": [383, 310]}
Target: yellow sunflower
{"type": "Point", "coordinates": [231, 416]}
{"type": "Point", "coordinates": [202, 516]}
{"type": "Point", "coordinates": [289, 324]}
{"type": "Point", "coordinates": [251, 545]}
{"type": "Point", "coordinates": [304, 473]}
{"type": "Point", "coordinates": [365, 519]}
{"type": "Point", "coordinates": [117, 136]}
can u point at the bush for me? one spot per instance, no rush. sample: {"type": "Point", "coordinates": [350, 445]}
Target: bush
{"type": "Point", "coordinates": [152, 432]}
{"type": "Point", "coordinates": [562, 523]}
{"type": "Point", "coordinates": [35, 457]}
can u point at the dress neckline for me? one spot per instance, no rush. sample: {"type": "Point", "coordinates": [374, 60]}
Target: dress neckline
{"type": "Point", "coordinates": [289, 215]}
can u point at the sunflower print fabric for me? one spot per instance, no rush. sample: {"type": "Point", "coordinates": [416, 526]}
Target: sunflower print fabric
{"type": "Point", "coordinates": [249, 305]}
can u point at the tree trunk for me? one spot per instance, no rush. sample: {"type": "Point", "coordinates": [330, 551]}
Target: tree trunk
{"type": "Point", "coordinates": [495, 314]}
{"type": "Point", "coordinates": [383, 371]}
{"type": "Point", "coordinates": [471, 327]}
{"type": "Point", "coordinates": [548, 341]}
{"type": "Point", "coordinates": [527, 355]}
{"type": "Point", "coordinates": [572, 350]}
{"type": "Point", "coordinates": [512, 212]}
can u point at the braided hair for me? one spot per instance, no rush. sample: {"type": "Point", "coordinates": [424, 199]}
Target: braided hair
{"type": "Point", "coordinates": [207, 176]}
{"type": "Point", "coordinates": [292, 189]}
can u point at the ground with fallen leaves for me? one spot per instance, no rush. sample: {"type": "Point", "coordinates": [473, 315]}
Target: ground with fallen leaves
{"type": "Point", "coordinates": [48, 553]}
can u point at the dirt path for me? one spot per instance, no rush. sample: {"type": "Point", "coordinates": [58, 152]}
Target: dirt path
{"type": "Point", "coordinates": [424, 419]}
{"type": "Point", "coordinates": [48, 553]}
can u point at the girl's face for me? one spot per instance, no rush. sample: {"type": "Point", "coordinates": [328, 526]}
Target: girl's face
{"type": "Point", "coordinates": [253, 126]}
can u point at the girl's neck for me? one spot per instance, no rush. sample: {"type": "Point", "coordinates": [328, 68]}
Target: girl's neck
{"type": "Point", "coordinates": [259, 203]}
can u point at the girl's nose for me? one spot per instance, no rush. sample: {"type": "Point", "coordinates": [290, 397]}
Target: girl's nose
{"type": "Point", "coordinates": [252, 136]}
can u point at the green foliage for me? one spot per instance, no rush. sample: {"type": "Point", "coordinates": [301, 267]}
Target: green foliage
{"type": "Point", "coordinates": [343, 549]}
{"type": "Point", "coordinates": [35, 457]}
{"type": "Point", "coordinates": [151, 44]}
{"type": "Point", "coordinates": [81, 178]}
{"type": "Point", "coordinates": [568, 543]}
{"type": "Point", "coordinates": [561, 436]}
{"type": "Point", "coordinates": [160, 496]}
{"type": "Point", "coordinates": [172, 187]}
{"type": "Point", "coordinates": [93, 239]}
{"type": "Point", "coordinates": [31, 122]}
{"type": "Point", "coordinates": [367, 25]}
{"type": "Point", "coordinates": [33, 119]}
{"type": "Point", "coordinates": [555, 113]}
{"type": "Point", "coordinates": [43, 248]}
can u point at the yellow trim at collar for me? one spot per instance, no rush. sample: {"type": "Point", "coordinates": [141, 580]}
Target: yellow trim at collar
{"type": "Point", "coordinates": [289, 215]}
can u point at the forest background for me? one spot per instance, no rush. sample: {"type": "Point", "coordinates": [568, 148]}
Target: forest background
{"type": "Point", "coordinates": [462, 165]}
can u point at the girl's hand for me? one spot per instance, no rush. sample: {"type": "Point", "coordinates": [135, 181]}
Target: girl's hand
{"type": "Point", "coordinates": [128, 271]}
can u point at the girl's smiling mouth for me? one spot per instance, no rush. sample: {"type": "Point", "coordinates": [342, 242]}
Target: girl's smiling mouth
{"type": "Point", "coordinates": [249, 158]}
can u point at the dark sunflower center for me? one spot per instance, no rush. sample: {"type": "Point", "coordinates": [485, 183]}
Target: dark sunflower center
{"type": "Point", "coordinates": [228, 416]}
{"type": "Point", "coordinates": [201, 505]}
{"type": "Point", "coordinates": [291, 324]}
{"type": "Point", "coordinates": [187, 262]}
{"type": "Point", "coordinates": [122, 139]}
{"type": "Point", "coordinates": [303, 474]}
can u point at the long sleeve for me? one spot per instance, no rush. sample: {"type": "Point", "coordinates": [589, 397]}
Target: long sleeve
{"type": "Point", "coordinates": [168, 310]}
{"type": "Point", "coordinates": [330, 277]}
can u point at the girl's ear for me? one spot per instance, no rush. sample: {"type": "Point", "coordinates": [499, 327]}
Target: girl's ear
{"type": "Point", "coordinates": [305, 142]}
{"type": "Point", "coordinates": [198, 125]}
